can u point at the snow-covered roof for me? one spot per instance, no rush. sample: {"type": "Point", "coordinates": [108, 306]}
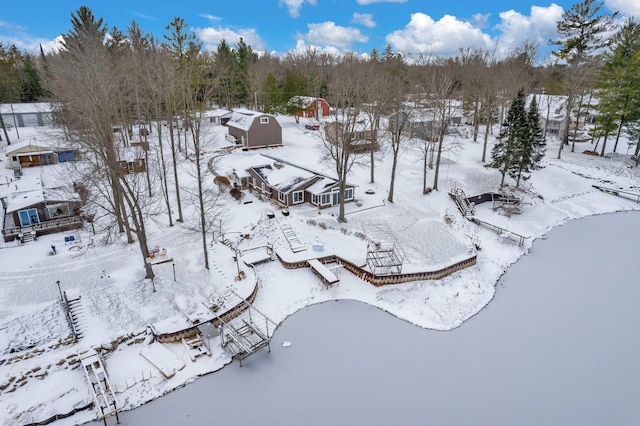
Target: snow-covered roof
{"type": "Point", "coordinates": [130, 153]}
{"type": "Point", "coordinates": [304, 100]}
{"type": "Point", "coordinates": [38, 184]}
{"type": "Point", "coordinates": [241, 166]}
{"type": "Point", "coordinates": [284, 177]}
{"type": "Point", "coordinates": [321, 186]}
{"type": "Point", "coordinates": [16, 146]}
{"type": "Point", "coordinates": [555, 105]}
{"type": "Point", "coordinates": [244, 118]}
{"type": "Point", "coordinates": [20, 200]}
{"type": "Point", "coordinates": [216, 113]}
{"type": "Point", "coordinates": [22, 108]}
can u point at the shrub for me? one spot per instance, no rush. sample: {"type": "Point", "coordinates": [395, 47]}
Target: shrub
{"type": "Point", "coordinates": [236, 193]}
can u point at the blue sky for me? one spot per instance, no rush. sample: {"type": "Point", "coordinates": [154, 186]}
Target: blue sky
{"type": "Point", "coordinates": [433, 27]}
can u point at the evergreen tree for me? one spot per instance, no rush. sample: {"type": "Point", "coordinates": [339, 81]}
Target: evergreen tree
{"type": "Point", "coordinates": [245, 58]}
{"type": "Point", "coordinates": [9, 76]}
{"type": "Point", "coordinates": [30, 81]}
{"type": "Point", "coordinates": [515, 129]}
{"type": "Point", "coordinates": [619, 80]}
{"type": "Point", "coordinates": [531, 149]}
{"type": "Point", "coordinates": [272, 94]}
{"type": "Point", "coordinates": [582, 33]}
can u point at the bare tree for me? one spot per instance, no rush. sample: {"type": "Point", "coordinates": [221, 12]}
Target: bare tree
{"type": "Point", "coordinates": [348, 90]}
{"type": "Point", "coordinates": [392, 96]}
{"type": "Point", "coordinates": [85, 80]}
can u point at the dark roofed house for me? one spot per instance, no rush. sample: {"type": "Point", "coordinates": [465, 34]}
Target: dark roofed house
{"type": "Point", "coordinates": [253, 129]}
{"type": "Point", "coordinates": [288, 184]}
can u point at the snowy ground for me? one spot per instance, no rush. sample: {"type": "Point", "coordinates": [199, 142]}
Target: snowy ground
{"type": "Point", "coordinates": [39, 372]}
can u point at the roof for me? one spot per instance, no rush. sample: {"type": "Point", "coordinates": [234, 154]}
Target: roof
{"type": "Point", "coordinates": [244, 118]}
{"type": "Point", "coordinates": [130, 153]}
{"type": "Point", "coordinates": [555, 104]}
{"type": "Point", "coordinates": [304, 100]}
{"type": "Point", "coordinates": [322, 185]}
{"type": "Point", "coordinates": [216, 113]}
{"type": "Point", "coordinates": [16, 146]}
{"type": "Point", "coordinates": [20, 200]}
{"type": "Point", "coordinates": [242, 165]}
{"type": "Point", "coordinates": [22, 108]}
{"type": "Point", "coordinates": [283, 177]}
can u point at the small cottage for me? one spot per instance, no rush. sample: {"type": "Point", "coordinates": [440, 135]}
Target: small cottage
{"type": "Point", "coordinates": [28, 154]}
{"type": "Point", "coordinates": [132, 159]}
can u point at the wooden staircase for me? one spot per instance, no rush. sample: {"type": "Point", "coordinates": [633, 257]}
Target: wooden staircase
{"type": "Point", "coordinates": [75, 312]}
{"type": "Point", "coordinates": [464, 205]}
{"type": "Point", "coordinates": [293, 240]}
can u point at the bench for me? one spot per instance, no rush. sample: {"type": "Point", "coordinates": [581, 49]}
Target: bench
{"type": "Point", "coordinates": [323, 272]}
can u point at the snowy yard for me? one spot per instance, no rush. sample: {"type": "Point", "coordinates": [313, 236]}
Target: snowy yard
{"type": "Point", "coordinates": [39, 371]}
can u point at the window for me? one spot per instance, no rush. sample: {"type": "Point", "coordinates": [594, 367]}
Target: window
{"type": "Point", "coordinates": [348, 194]}
{"type": "Point", "coordinates": [264, 120]}
{"type": "Point", "coordinates": [315, 199]}
{"type": "Point", "coordinates": [282, 197]}
{"type": "Point", "coordinates": [28, 217]}
{"type": "Point", "coordinates": [56, 210]}
{"type": "Point", "coordinates": [298, 197]}
{"type": "Point", "coordinates": [326, 199]}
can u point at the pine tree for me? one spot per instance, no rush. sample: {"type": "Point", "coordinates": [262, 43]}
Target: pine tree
{"type": "Point", "coordinates": [515, 129]}
{"type": "Point", "coordinates": [619, 80]}
{"type": "Point", "coordinates": [31, 88]}
{"type": "Point", "coordinates": [582, 33]}
{"type": "Point", "coordinates": [531, 149]}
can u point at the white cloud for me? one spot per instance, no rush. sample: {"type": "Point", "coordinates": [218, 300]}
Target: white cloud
{"type": "Point", "coordinates": [302, 48]}
{"type": "Point", "coordinates": [365, 19]}
{"type": "Point", "coordinates": [32, 44]}
{"type": "Point", "coordinates": [480, 20]}
{"type": "Point", "coordinates": [330, 34]}
{"type": "Point", "coordinates": [294, 6]}
{"type": "Point", "coordinates": [211, 37]}
{"type": "Point", "coordinates": [210, 17]}
{"type": "Point", "coordinates": [365, 2]}
{"type": "Point", "coordinates": [9, 25]}
{"type": "Point", "coordinates": [539, 27]}
{"type": "Point", "coordinates": [442, 38]}
{"type": "Point", "coordinates": [630, 8]}
{"type": "Point", "coordinates": [145, 16]}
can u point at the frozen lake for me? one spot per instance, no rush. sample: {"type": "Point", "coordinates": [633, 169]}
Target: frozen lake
{"type": "Point", "coordinates": [558, 346]}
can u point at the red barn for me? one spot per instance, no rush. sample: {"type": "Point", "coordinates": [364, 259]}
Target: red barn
{"type": "Point", "coordinates": [309, 107]}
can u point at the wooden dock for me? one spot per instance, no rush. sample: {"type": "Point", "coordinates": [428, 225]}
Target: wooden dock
{"type": "Point", "coordinates": [104, 397]}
